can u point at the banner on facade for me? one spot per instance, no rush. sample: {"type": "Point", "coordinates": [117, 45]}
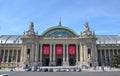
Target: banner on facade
{"type": "Point", "coordinates": [72, 50]}
{"type": "Point", "coordinates": [46, 49]}
{"type": "Point", "coordinates": [59, 50]}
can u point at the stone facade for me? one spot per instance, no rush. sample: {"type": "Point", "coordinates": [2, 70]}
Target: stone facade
{"type": "Point", "coordinates": [88, 50]}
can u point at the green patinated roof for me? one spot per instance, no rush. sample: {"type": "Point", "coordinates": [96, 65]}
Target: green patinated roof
{"type": "Point", "coordinates": [59, 31]}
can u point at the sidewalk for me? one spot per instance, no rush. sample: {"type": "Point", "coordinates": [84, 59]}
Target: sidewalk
{"type": "Point", "coordinates": [99, 69]}
{"type": "Point", "coordinates": [92, 69]}
{"type": "Point", "coordinates": [9, 69]}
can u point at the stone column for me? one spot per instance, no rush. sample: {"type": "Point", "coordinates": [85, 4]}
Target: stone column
{"type": "Point", "coordinates": [117, 51]}
{"type": "Point", "coordinates": [113, 52]}
{"type": "Point", "coordinates": [32, 54]}
{"type": "Point", "coordinates": [77, 55]}
{"type": "Point", "coordinates": [23, 53]}
{"type": "Point", "coordinates": [54, 55]}
{"type": "Point", "coordinates": [50, 62]}
{"type": "Point", "coordinates": [109, 53]}
{"type": "Point", "coordinates": [67, 56]}
{"type": "Point", "coordinates": [41, 54]}
{"type": "Point", "coordinates": [96, 56]}
{"type": "Point", "coordinates": [105, 56]}
{"type": "Point", "coordinates": [8, 56]}
{"type": "Point", "coordinates": [17, 55]}
{"type": "Point", "coordinates": [64, 55]}
{"type": "Point", "coordinates": [84, 57]}
{"type": "Point", "coordinates": [81, 54]}
{"type": "Point", "coordinates": [92, 56]}
{"type": "Point", "coordinates": [3, 56]}
{"type": "Point", "coordinates": [36, 54]}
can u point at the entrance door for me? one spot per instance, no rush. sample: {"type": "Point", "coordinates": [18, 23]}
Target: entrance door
{"type": "Point", "coordinates": [59, 62]}
{"type": "Point", "coordinates": [71, 62]}
{"type": "Point", "coordinates": [47, 62]}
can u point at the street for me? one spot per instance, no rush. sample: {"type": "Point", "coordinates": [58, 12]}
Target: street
{"type": "Point", "coordinates": [62, 73]}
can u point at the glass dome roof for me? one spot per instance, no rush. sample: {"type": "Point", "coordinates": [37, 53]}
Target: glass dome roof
{"type": "Point", "coordinates": [59, 31]}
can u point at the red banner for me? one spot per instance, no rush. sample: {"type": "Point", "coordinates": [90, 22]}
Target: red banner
{"type": "Point", "coordinates": [72, 50]}
{"type": "Point", "coordinates": [46, 49]}
{"type": "Point", "coordinates": [59, 50]}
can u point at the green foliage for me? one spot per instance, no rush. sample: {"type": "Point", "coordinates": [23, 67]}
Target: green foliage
{"type": "Point", "coordinates": [4, 67]}
{"type": "Point", "coordinates": [115, 61]}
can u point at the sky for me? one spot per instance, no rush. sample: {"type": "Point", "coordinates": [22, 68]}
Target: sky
{"type": "Point", "coordinates": [103, 16]}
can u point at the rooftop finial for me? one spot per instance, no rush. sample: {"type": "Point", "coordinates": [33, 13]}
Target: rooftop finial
{"type": "Point", "coordinates": [60, 22]}
{"type": "Point", "coordinates": [31, 26]}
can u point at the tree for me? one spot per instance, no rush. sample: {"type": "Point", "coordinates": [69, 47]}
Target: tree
{"type": "Point", "coordinates": [115, 60]}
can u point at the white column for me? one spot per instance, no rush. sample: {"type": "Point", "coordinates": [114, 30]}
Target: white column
{"type": "Point", "coordinates": [84, 58]}
{"type": "Point", "coordinates": [41, 54]}
{"type": "Point", "coordinates": [3, 56]}
{"type": "Point", "coordinates": [63, 54]}
{"type": "Point", "coordinates": [77, 55]}
{"type": "Point", "coordinates": [17, 55]}
{"type": "Point", "coordinates": [117, 51]}
{"type": "Point", "coordinates": [36, 53]}
{"type": "Point", "coordinates": [8, 56]}
{"type": "Point", "coordinates": [54, 55]}
{"type": "Point", "coordinates": [67, 56]}
{"type": "Point", "coordinates": [93, 54]}
{"type": "Point", "coordinates": [21, 53]}
{"type": "Point", "coordinates": [105, 56]}
{"type": "Point", "coordinates": [32, 54]}
{"type": "Point", "coordinates": [50, 62]}
{"type": "Point", "coordinates": [96, 56]}
{"type": "Point", "coordinates": [81, 54]}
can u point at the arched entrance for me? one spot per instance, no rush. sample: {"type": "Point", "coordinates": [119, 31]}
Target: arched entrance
{"type": "Point", "coordinates": [45, 60]}
{"type": "Point", "coordinates": [46, 54]}
{"type": "Point", "coordinates": [59, 54]}
{"type": "Point", "coordinates": [72, 60]}
{"type": "Point", "coordinates": [59, 60]}
{"type": "Point", "coordinates": [72, 54]}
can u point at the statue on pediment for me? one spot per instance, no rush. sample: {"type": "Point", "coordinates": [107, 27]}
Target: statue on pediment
{"type": "Point", "coordinates": [87, 27]}
{"type": "Point", "coordinates": [31, 26]}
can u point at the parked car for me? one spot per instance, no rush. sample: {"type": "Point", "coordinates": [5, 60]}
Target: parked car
{"type": "Point", "coordinates": [34, 68]}
{"type": "Point", "coordinates": [56, 70]}
{"type": "Point", "coordinates": [78, 70]}
{"type": "Point", "coordinates": [28, 69]}
{"type": "Point", "coordinates": [39, 70]}
{"type": "Point", "coordinates": [67, 70]}
{"type": "Point", "coordinates": [50, 70]}
{"type": "Point", "coordinates": [62, 70]}
{"type": "Point", "coordinates": [72, 69]}
{"type": "Point", "coordinates": [44, 70]}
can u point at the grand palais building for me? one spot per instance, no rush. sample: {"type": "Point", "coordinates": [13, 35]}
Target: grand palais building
{"type": "Point", "coordinates": [58, 46]}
